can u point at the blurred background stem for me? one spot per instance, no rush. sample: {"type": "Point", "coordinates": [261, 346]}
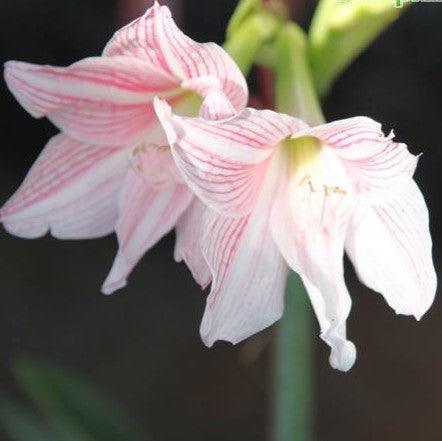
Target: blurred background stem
{"type": "Point", "coordinates": [295, 93]}
{"type": "Point", "coordinates": [340, 31]}
{"type": "Point", "coordinates": [247, 42]}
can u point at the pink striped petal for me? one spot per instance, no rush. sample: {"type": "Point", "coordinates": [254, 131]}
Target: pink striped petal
{"type": "Point", "coordinates": [247, 294]}
{"type": "Point", "coordinates": [249, 273]}
{"type": "Point", "coordinates": [224, 162]}
{"type": "Point", "coordinates": [391, 251]}
{"type": "Point", "coordinates": [215, 103]}
{"type": "Point", "coordinates": [70, 191]}
{"type": "Point", "coordinates": [147, 213]}
{"type": "Point", "coordinates": [97, 100]}
{"type": "Point", "coordinates": [216, 106]}
{"type": "Point", "coordinates": [156, 38]}
{"type": "Point", "coordinates": [378, 166]}
{"type": "Point", "coordinates": [189, 230]}
{"type": "Point", "coordinates": [309, 229]}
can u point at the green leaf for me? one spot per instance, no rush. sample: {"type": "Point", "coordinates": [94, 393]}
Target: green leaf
{"type": "Point", "coordinates": [70, 403]}
{"type": "Point", "coordinates": [340, 31]}
{"type": "Point", "coordinates": [21, 425]}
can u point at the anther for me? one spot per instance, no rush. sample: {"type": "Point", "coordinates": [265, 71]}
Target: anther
{"type": "Point", "coordinates": [304, 180]}
{"type": "Point", "coordinates": [307, 179]}
{"type": "Point", "coordinates": [328, 190]}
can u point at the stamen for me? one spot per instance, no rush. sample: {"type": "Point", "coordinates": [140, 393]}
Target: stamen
{"type": "Point", "coordinates": [328, 190]}
{"type": "Point", "coordinates": [304, 156]}
{"type": "Point", "coordinates": [339, 190]}
{"type": "Point", "coordinates": [162, 148]}
{"type": "Point", "coordinates": [307, 179]}
{"type": "Point", "coordinates": [304, 180]}
{"type": "Point", "coordinates": [134, 160]}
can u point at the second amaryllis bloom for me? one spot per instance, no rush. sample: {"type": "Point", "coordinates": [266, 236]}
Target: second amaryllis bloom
{"type": "Point", "coordinates": [284, 195]}
{"type": "Point", "coordinates": [111, 169]}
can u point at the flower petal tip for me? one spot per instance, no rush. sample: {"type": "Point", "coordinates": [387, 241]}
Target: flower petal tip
{"type": "Point", "coordinates": [209, 332]}
{"type": "Point", "coordinates": [343, 356]}
{"type": "Point", "coordinates": [418, 317]}
{"type": "Point", "coordinates": [109, 286]}
{"type": "Point", "coordinates": [157, 8]}
{"type": "Point", "coordinates": [16, 74]}
{"type": "Point", "coordinates": [421, 306]}
{"type": "Point", "coordinates": [15, 71]}
{"type": "Point", "coordinates": [164, 115]}
{"type": "Point", "coordinates": [9, 66]}
{"type": "Point", "coordinates": [209, 340]}
{"type": "Point", "coordinates": [206, 328]}
{"type": "Point", "coordinates": [117, 277]}
{"type": "Point", "coordinates": [161, 107]}
{"type": "Point", "coordinates": [417, 313]}
{"type": "Point", "coordinates": [24, 229]}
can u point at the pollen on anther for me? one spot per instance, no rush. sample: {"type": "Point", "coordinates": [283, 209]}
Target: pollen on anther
{"type": "Point", "coordinates": [304, 180]}
{"type": "Point", "coordinates": [328, 190]}
{"type": "Point", "coordinates": [307, 180]}
{"type": "Point", "coordinates": [134, 161]}
{"type": "Point", "coordinates": [339, 190]}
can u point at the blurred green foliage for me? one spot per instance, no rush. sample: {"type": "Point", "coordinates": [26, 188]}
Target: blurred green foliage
{"type": "Point", "coordinates": [340, 31]}
{"type": "Point", "coordinates": [67, 409]}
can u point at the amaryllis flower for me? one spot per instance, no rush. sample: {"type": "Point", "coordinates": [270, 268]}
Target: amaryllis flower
{"type": "Point", "coordinates": [285, 195]}
{"type": "Point", "coordinates": [111, 168]}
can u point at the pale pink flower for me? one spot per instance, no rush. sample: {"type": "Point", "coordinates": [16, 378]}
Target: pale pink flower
{"type": "Point", "coordinates": [110, 168]}
{"type": "Point", "coordinates": [285, 195]}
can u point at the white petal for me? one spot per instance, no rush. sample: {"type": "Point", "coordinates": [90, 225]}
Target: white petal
{"type": "Point", "coordinates": [189, 230]}
{"type": "Point", "coordinates": [147, 213]}
{"type": "Point", "coordinates": [311, 238]}
{"type": "Point", "coordinates": [377, 166]}
{"type": "Point", "coordinates": [391, 251]}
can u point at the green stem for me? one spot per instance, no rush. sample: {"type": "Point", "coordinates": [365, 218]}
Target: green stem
{"type": "Point", "coordinates": [295, 95]}
{"type": "Point", "coordinates": [246, 43]}
{"type": "Point", "coordinates": [293, 419]}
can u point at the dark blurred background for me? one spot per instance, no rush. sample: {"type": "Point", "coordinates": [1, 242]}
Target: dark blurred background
{"type": "Point", "coordinates": [141, 346]}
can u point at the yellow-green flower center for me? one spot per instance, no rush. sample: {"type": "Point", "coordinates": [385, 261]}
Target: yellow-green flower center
{"type": "Point", "coordinates": [307, 165]}
{"type": "Point", "coordinates": [188, 105]}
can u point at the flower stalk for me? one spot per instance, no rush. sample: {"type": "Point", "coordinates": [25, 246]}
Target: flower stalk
{"type": "Point", "coordinates": [294, 385]}
{"type": "Point", "coordinates": [294, 89]}
{"type": "Point", "coordinates": [244, 43]}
